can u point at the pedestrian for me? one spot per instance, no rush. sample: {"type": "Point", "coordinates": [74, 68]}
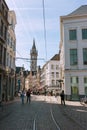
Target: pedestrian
{"type": "Point", "coordinates": [62, 95]}
{"type": "Point", "coordinates": [22, 96]}
{"type": "Point", "coordinates": [28, 94]}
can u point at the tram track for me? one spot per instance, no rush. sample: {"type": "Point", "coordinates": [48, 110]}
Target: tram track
{"type": "Point", "coordinates": [53, 118]}
{"type": "Point", "coordinates": [51, 115]}
{"type": "Point", "coordinates": [64, 120]}
{"type": "Point", "coordinates": [43, 113]}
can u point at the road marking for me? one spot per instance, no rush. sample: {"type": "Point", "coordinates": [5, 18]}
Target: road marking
{"type": "Point", "coordinates": [54, 120]}
{"type": "Point", "coordinates": [53, 117]}
{"type": "Point", "coordinates": [34, 124]}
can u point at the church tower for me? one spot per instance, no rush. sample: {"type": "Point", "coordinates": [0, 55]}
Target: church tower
{"type": "Point", "coordinates": [33, 58]}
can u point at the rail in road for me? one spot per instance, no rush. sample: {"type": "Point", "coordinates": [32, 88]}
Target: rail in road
{"type": "Point", "coordinates": [43, 113]}
{"type": "Point", "coordinates": [48, 99]}
{"type": "Point", "coordinates": [60, 120]}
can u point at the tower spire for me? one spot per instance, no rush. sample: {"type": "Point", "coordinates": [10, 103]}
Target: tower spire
{"type": "Point", "coordinates": [34, 46]}
{"type": "Point", "coordinates": [33, 54]}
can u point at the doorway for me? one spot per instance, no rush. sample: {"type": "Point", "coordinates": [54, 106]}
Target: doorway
{"type": "Point", "coordinates": [74, 93]}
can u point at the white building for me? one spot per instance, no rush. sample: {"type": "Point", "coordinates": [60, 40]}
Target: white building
{"type": "Point", "coordinates": [73, 53]}
{"type": "Point", "coordinates": [50, 74]}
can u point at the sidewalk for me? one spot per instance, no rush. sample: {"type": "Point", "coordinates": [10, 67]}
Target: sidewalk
{"type": "Point", "coordinates": [5, 110]}
{"type": "Point", "coordinates": [76, 111]}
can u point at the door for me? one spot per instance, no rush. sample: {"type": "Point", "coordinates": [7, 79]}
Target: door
{"type": "Point", "coordinates": [74, 93]}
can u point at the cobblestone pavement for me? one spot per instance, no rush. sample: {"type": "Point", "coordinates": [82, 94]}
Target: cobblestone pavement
{"type": "Point", "coordinates": [76, 111]}
{"type": "Point", "coordinates": [6, 108]}
{"type": "Point", "coordinates": [44, 113]}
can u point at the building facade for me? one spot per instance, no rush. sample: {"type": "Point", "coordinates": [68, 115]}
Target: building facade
{"type": "Point", "coordinates": [7, 51]}
{"type": "Point", "coordinates": [3, 45]}
{"type": "Point", "coordinates": [11, 54]}
{"type": "Point", "coordinates": [73, 53]}
{"type": "Point", "coordinates": [50, 74]}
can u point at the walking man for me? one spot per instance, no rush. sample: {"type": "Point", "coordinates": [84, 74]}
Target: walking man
{"type": "Point", "coordinates": [62, 97]}
{"type": "Point", "coordinates": [22, 96]}
{"type": "Point", "coordinates": [28, 95]}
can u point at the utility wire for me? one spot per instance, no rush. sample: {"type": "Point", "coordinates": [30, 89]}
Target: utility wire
{"type": "Point", "coordinates": [44, 29]}
{"type": "Point", "coordinates": [21, 58]}
{"type": "Point", "coordinates": [27, 59]}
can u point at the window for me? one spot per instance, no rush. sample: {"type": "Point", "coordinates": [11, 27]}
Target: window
{"type": "Point", "coordinates": [73, 56]}
{"type": "Point", "coordinates": [3, 9]}
{"type": "Point", "coordinates": [2, 27]}
{"type": "Point", "coordinates": [84, 33]}
{"type": "Point", "coordinates": [4, 57]}
{"type": "Point", "coordinates": [5, 33]}
{"type": "Point", "coordinates": [72, 34]}
{"type": "Point", "coordinates": [74, 88]}
{"type": "Point", "coordinates": [57, 82]}
{"type": "Point", "coordinates": [0, 54]}
{"type": "Point", "coordinates": [0, 83]}
{"type": "Point", "coordinates": [57, 67]}
{"type": "Point", "coordinates": [85, 85]}
{"type": "Point", "coordinates": [52, 66]}
{"type": "Point", "coordinates": [85, 80]}
{"type": "Point", "coordinates": [52, 74]}
{"type": "Point", "coordinates": [57, 75]}
{"type": "Point", "coordinates": [8, 35]}
{"type": "Point", "coordinates": [7, 59]}
{"type": "Point", "coordinates": [74, 80]}
{"type": "Point", "coordinates": [10, 60]}
{"type": "Point", "coordinates": [14, 46]}
{"type": "Point", "coordinates": [53, 82]}
{"type": "Point", "coordinates": [85, 56]}
{"type": "Point", "coordinates": [14, 63]}
{"type": "Point", "coordinates": [11, 42]}
{"type": "Point", "coordinates": [33, 57]}
{"type": "Point", "coordinates": [5, 14]}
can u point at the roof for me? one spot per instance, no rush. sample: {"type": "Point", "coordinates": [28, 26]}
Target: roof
{"type": "Point", "coordinates": [55, 57]}
{"type": "Point", "coordinates": [34, 47]}
{"type": "Point", "coordinates": [82, 10]}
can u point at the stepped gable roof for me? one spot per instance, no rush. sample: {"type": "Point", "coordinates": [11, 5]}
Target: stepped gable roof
{"type": "Point", "coordinates": [82, 10]}
{"type": "Point", "coordinates": [55, 57]}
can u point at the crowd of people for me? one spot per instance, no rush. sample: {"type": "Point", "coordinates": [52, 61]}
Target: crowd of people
{"type": "Point", "coordinates": [28, 95]}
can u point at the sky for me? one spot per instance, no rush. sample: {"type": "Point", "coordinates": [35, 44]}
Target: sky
{"type": "Point", "coordinates": [30, 25]}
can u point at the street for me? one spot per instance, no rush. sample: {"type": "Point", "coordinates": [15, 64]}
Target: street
{"type": "Point", "coordinates": [43, 113]}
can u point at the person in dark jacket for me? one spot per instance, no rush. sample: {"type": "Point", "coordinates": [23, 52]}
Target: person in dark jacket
{"type": "Point", "coordinates": [62, 97]}
{"type": "Point", "coordinates": [28, 94]}
{"type": "Point", "coordinates": [22, 96]}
